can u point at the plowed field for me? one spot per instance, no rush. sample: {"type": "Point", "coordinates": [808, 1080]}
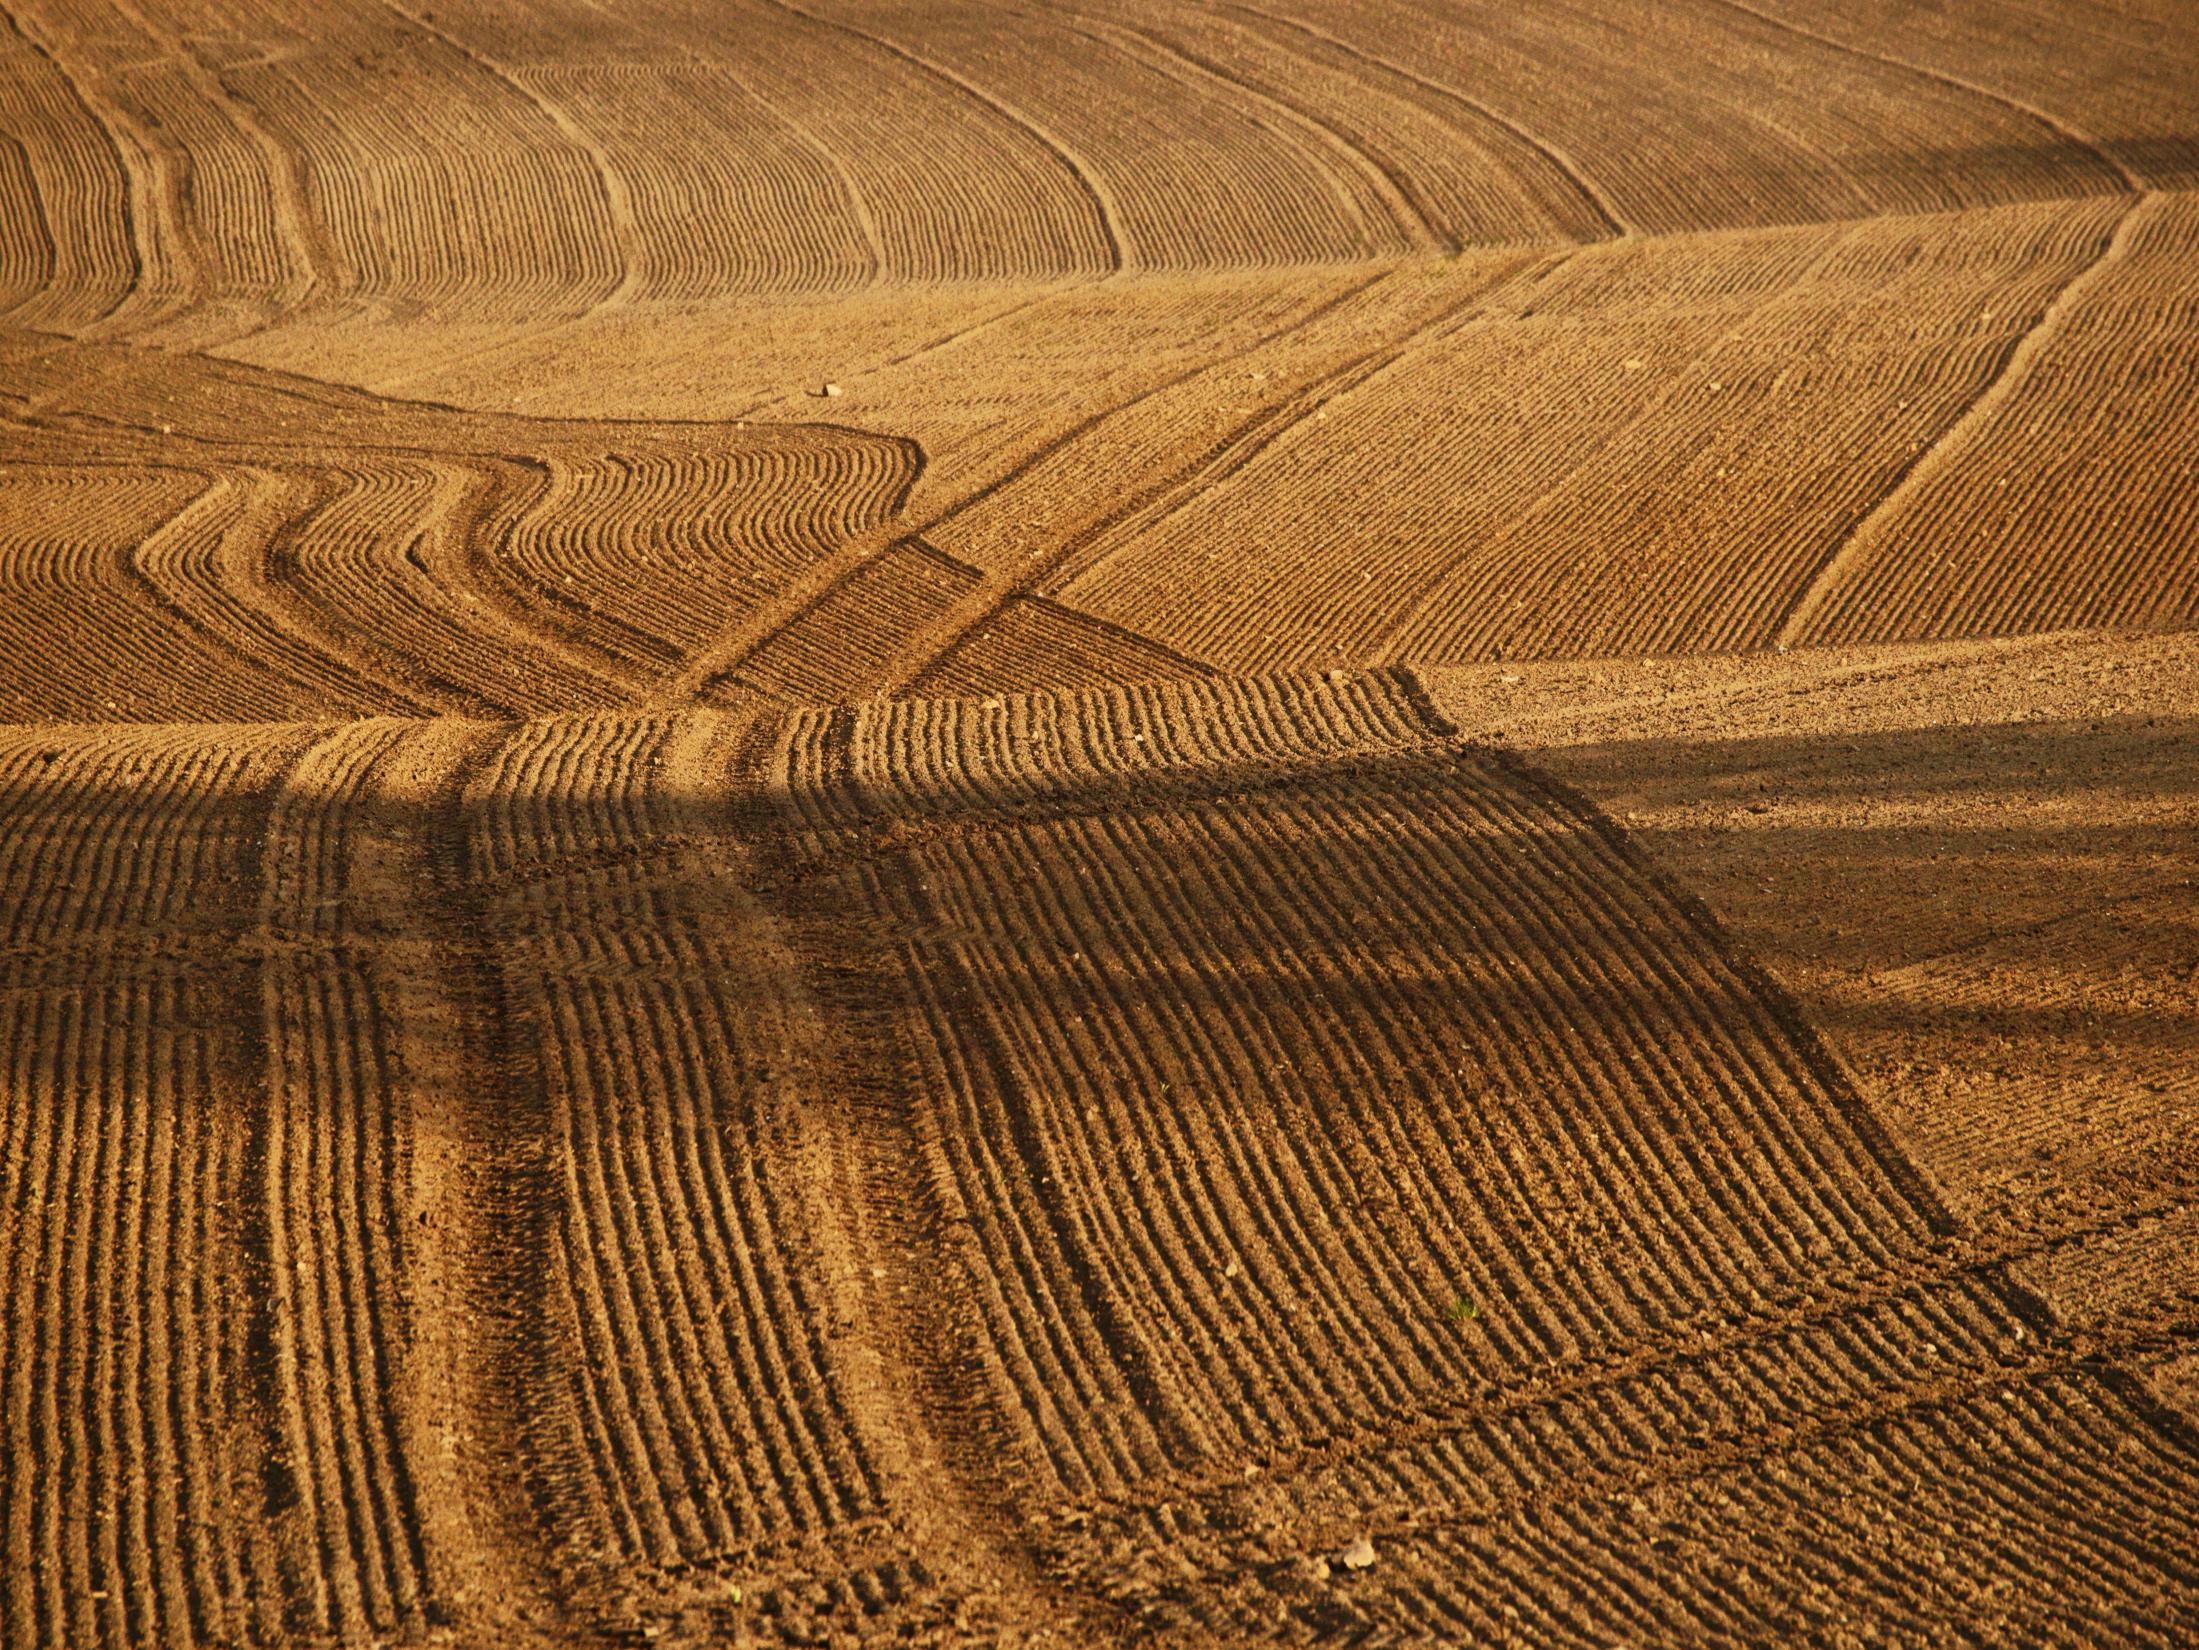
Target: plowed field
{"type": "Point", "coordinates": [838, 823]}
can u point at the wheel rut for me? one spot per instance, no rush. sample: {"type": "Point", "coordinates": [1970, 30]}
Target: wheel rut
{"type": "Point", "coordinates": [893, 1232]}
{"type": "Point", "coordinates": [481, 1206]}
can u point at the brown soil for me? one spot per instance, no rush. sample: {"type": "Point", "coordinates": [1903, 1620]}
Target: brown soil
{"type": "Point", "coordinates": [826, 822]}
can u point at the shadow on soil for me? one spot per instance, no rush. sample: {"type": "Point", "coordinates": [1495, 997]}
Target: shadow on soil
{"type": "Point", "coordinates": [2062, 854]}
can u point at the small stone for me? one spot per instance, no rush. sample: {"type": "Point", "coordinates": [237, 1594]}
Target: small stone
{"type": "Point", "coordinates": [1359, 1555]}
{"type": "Point", "coordinates": [832, 389]}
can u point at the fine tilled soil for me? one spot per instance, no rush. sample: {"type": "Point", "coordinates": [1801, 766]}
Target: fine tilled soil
{"type": "Point", "coordinates": [827, 822]}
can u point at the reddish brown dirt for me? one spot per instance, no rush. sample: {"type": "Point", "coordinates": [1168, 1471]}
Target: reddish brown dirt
{"type": "Point", "coordinates": [828, 823]}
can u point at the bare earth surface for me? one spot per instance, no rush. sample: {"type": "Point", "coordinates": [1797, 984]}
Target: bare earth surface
{"type": "Point", "coordinates": [839, 823]}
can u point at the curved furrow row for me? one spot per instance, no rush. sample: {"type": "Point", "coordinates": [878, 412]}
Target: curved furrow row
{"type": "Point", "coordinates": [75, 615]}
{"type": "Point", "coordinates": [192, 168]}
{"type": "Point", "coordinates": [301, 249]}
{"type": "Point", "coordinates": [71, 252]}
{"type": "Point", "coordinates": [992, 194]}
{"type": "Point", "coordinates": [329, 553]}
{"type": "Point", "coordinates": [1191, 178]}
{"type": "Point", "coordinates": [757, 161]}
{"type": "Point", "coordinates": [281, 587]}
{"type": "Point", "coordinates": [673, 547]}
{"type": "Point", "coordinates": [2053, 1472]}
{"type": "Point", "coordinates": [750, 202]}
{"type": "Point", "coordinates": [1327, 1129]}
{"type": "Point", "coordinates": [219, 571]}
{"type": "Point", "coordinates": [1703, 467]}
{"type": "Point", "coordinates": [27, 252]}
{"type": "Point", "coordinates": [610, 193]}
{"type": "Point", "coordinates": [1031, 643]}
{"type": "Point", "coordinates": [2023, 520]}
{"type": "Point", "coordinates": [1373, 212]}
{"type": "Point", "coordinates": [999, 526]}
{"type": "Point", "coordinates": [329, 1151]}
{"type": "Point", "coordinates": [1069, 521]}
{"type": "Point", "coordinates": [394, 552]}
{"type": "Point", "coordinates": [1501, 59]}
{"type": "Point", "coordinates": [226, 204]}
{"type": "Point", "coordinates": [1505, 175]}
{"type": "Point", "coordinates": [2130, 106]}
{"type": "Point", "coordinates": [1750, 126]}
{"type": "Point", "coordinates": [60, 517]}
{"type": "Point", "coordinates": [846, 638]}
{"type": "Point", "coordinates": [135, 1505]}
{"type": "Point", "coordinates": [713, 1424]}
{"type": "Point", "coordinates": [434, 176]}
{"type": "Point", "coordinates": [150, 173]}
{"type": "Point", "coordinates": [1247, 1065]}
